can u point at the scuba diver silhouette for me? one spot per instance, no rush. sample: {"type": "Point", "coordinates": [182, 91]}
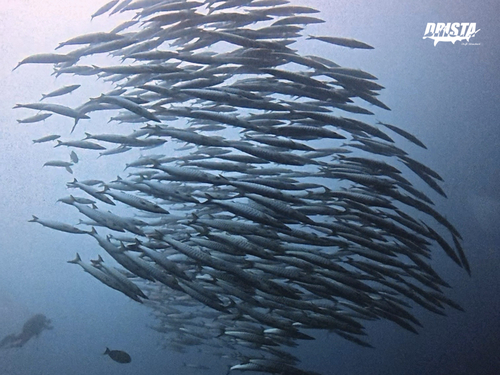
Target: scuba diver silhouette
{"type": "Point", "coordinates": [32, 328]}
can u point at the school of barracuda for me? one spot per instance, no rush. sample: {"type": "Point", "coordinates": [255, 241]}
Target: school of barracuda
{"type": "Point", "coordinates": [283, 213]}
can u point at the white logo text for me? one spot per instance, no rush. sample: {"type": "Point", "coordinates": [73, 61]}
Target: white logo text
{"type": "Point", "coordinates": [450, 32]}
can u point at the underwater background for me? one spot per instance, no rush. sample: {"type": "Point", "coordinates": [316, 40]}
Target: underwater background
{"type": "Point", "coordinates": [447, 95]}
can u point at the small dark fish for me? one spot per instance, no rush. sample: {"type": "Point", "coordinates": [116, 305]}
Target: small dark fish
{"type": "Point", "coordinates": [118, 356]}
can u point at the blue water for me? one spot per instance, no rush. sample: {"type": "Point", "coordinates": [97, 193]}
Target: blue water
{"type": "Point", "coordinates": [447, 95]}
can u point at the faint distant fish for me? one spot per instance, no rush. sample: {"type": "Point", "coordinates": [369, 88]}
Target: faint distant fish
{"type": "Point", "coordinates": [124, 25]}
{"type": "Point", "coordinates": [91, 38]}
{"type": "Point", "coordinates": [82, 70]}
{"type": "Point", "coordinates": [137, 202]}
{"type": "Point", "coordinates": [57, 225]}
{"type": "Point", "coordinates": [120, 6]}
{"type": "Point", "coordinates": [45, 58]}
{"type": "Point", "coordinates": [353, 72]}
{"type": "Point", "coordinates": [295, 77]}
{"type": "Point", "coordinates": [36, 118]}
{"type": "Point", "coordinates": [91, 191]}
{"type": "Point", "coordinates": [298, 20]}
{"type": "Point", "coordinates": [56, 108]}
{"type": "Point", "coordinates": [81, 144]}
{"type": "Point", "coordinates": [287, 10]}
{"type": "Point", "coordinates": [138, 69]}
{"type": "Point", "coordinates": [59, 163]}
{"type": "Point", "coordinates": [60, 91]}
{"type": "Point", "coordinates": [404, 134]}
{"type": "Point", "coordinates": [116, 273]}
{"type": "Point", "coordinates": [47, 138]}
{"type": "Point", "coordinates": [71, 199]}
{"type": "Point", "coordinates": [113, 151]}
{"type": "Point", "coordinates": [128, 104]}
{"type": "Point", "coordinates": [244, 42]}
{"type": "Point", "coordinates": [195, 366]}
{"type": "Point", "coordinates": [106, 7]}
{"type": "Point", "coordinates": [104, 47]}
{"type": "Point", "coordinates": [105, 278]}
{"type": "Point", "coordinates": [74, 157]}
{"type": "Point", "coordinates": [344, 42]}
{"type": "Point", "coordinates": [267, 3]}
{"type": "Point", "coordinates": [138, 4]}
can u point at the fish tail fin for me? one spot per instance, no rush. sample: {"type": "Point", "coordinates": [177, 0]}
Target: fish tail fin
{"type": "Point", "coordinates": [201, 229]}
{"type": "Point", "coordinates": [157, 234]}
{"type": "Point", "coordinates": [107, 351]}
{"type": "Point", "coordinates": [230, 304]}
{"type": "Point", "coordinates": [105, 188]}
{"type": "Point", "coordinates": [122, 245]}
{"type": "Point", "coordinates": [72, 183]}
{"type": "Point", "coordinates": [95, 263]}
{"type": "Point", "coordinates": [76, 260]}
{"type": "Point", "coordinates": [34, 219]}
{"type": "Point", "coordinates": [69, 201]}
{"type": "Point", "coordinates": [59, 143]}
{"type": "Point", "coordinates": [222, 331]}
{"type": "Point", "coordinates": [74, 126]}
